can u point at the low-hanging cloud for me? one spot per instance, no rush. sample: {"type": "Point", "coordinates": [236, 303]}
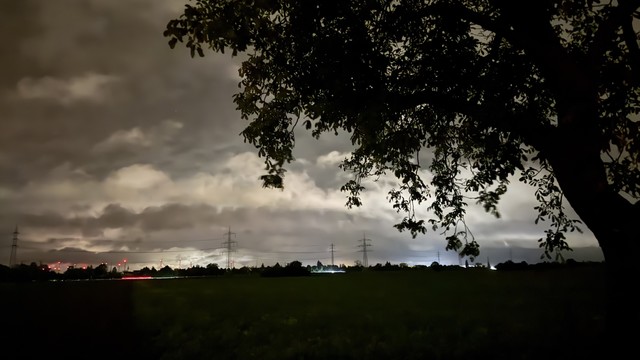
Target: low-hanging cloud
{"type": "Point", "coordinates": [91, 87]}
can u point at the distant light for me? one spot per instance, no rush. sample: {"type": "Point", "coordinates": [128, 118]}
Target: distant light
{"type": "Point", "coordinates": [323, 271]}
{"type": "Point", "coordinates": [136, 277]}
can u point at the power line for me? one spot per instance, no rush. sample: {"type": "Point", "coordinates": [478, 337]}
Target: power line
{"type": "Point", "coordinates": [332, 264]}
{"type": "Point", "coordinates": [301, 245]}
{"type": "Point", "coordinates": [364, 246]}
{"type": "Point", "coordinates": [288, 252]}
{"type": "Point", "coordinates": [14, 248]}
{"type": "Point", "coordinates": [180, 240]}
{"type": "Point", "coordinates": [230, 247]}
{"type": "Point", "coordinates": [298, 259]}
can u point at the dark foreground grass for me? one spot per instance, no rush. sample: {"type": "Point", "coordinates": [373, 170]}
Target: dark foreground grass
{"type": "Point", "coordinates": [468, 314]}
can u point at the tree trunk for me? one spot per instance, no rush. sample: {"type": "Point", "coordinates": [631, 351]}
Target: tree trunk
{"type": "Point", "coordinates": [619, 243]}
{"type": "Point", "coordinates": [615, 222]}
{"type": "Point", "coordinates": [573, 149]}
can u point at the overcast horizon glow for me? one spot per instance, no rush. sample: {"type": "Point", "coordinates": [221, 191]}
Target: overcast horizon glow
{"type": "Point", "coordinates": [114, 146]}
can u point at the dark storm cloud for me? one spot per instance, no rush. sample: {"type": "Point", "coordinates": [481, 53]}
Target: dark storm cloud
{"type": "Point", "coordinates": [174, 216]}
{"type": "Point", "coordinates": [112, 143]}
{"type": "Point", "coordinates": [265, 235]}
{"type": "Point", "coordinates": [261, 233]}
{"type": "Point", "coordinates": [84, 70]}
{"type": "Point", "coordinates": [17, 24]}
{"type": "Point", "coordinates": [115, 216]}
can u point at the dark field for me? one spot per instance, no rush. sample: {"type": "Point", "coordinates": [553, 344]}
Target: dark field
{"type": "Point", "coordinates": [463, 314]}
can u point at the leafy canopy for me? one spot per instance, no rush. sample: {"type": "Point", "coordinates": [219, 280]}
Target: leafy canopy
{"type": "Point", "coordinates": [465, 89]}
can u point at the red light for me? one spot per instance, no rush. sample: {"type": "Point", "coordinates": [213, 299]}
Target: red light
{"type": "Point", "coordinates": [136, 277]}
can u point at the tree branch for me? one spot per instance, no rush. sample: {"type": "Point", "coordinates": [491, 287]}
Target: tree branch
{"type": "Point", "coordinates": [617, 17]}
{"type": "Point", "coordinates": [531, 129]}
{"type": "Point", "coordinates": [460, 12]}
{"type": "Point", "coordinates": [631, 40]}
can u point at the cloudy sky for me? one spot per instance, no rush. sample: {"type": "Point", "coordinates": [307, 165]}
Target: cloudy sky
{"type": "Point", "coordinates": [113, 147]}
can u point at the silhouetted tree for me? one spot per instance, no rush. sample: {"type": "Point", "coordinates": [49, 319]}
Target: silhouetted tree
{"type": "Point", "coordinates": [510, 265]}
{"type": "Point", "coordinates": [145, 271]}
{"type": "Point", "coordinates": [166, 271]}
{"type": "Point", "coordinates": [242, 270]}
{"type": "Point", "coordinates": [100, 271]}
{"type": "Point", "coordinates": [74, 273]}
{"type": "Point", "coordinates": [293, 268]}
{"type": "Point", "coordinates": [5, 273]}
{"type": "Point", "coordinates": [547, 89]}
{"type": "Point", "coordinates": [31, 272]}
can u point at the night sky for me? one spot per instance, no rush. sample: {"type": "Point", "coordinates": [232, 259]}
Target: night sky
{"type": "Point", "coordinates": [113, 146]}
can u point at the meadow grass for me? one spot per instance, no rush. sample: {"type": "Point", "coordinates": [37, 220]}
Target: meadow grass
{"type": "Point", "coordinates": [470, 314]}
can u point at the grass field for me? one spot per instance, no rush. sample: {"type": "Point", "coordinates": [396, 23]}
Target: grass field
{"type": "Point", "coordinates": [464, 314]}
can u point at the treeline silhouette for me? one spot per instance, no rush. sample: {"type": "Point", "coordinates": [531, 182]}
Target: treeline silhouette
{"type": "Point", "coordinates": [510, 265]}
{"type": "Point", "coordinates": [35, 272]}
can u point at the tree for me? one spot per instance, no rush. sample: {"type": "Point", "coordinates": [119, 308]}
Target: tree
{"type": "Point", "coordinates": [473, 91]}
{"type": "Point", "coordinates": [101, 271]}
